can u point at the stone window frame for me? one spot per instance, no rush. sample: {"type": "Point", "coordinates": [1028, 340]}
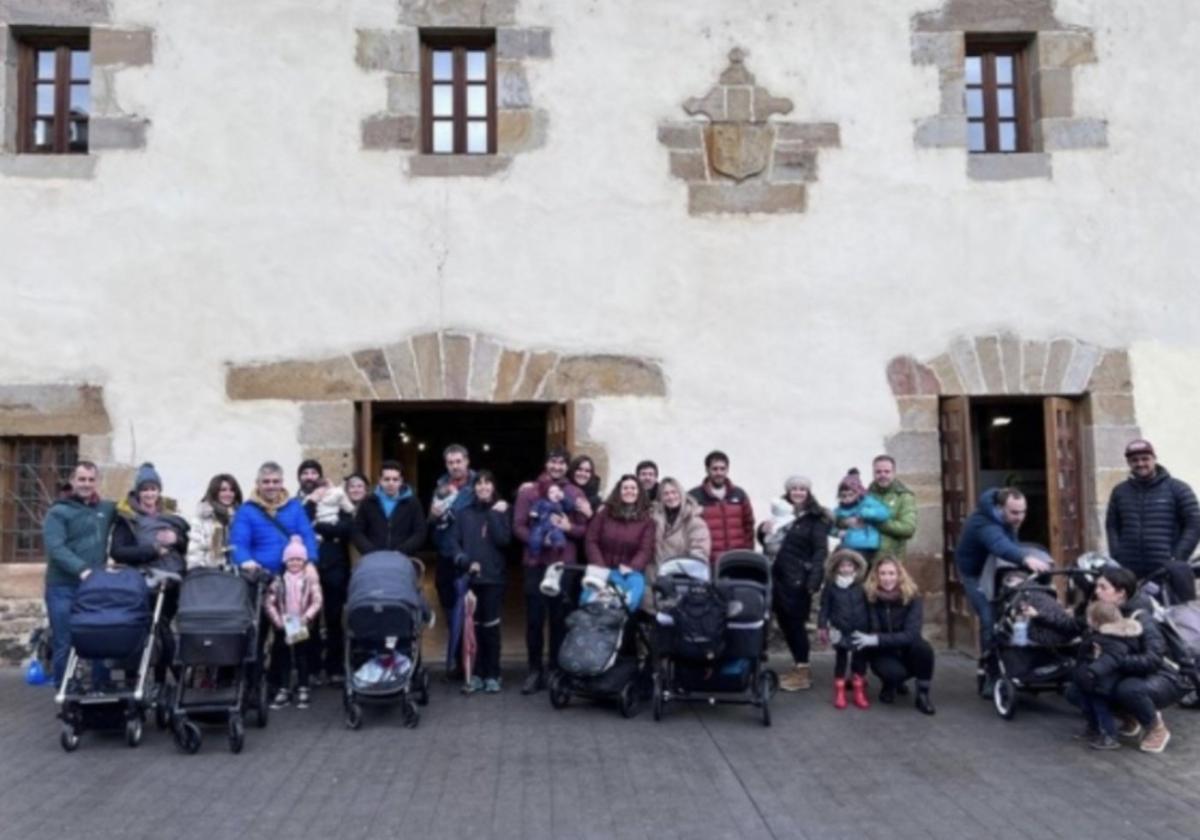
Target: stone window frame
{"type": "Point", "coordinates": [28, 44]}
{"type": "Point", "coordinates": [459, 42]}
{"type": "Point", "coordinates": [10, 500]}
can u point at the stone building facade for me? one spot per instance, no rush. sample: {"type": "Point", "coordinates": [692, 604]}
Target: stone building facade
{"type": "Point", "coordinates": [758, 231]}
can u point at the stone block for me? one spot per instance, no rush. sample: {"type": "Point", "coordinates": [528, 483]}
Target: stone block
{"type": "Point", "coordinates": [508, 374]}
{"type": "Point", "coordinates": [51, 167]}
{"type": "Point", "coordinates": [53, 410]}
{"type": "Point", "coordinates": [1033, 366]}
{"type": "Point", "coordinates": [916, 452]}
{"type": "Point", "coordinates": [116, 480]}
{"type": "Point", "coordinates": [403, 366]}
{"type": "Point", "coordinates": [374, 366]}
{"type": "Point", "coordinates": [336, 378]}
{"type": "Point", "coordinates": [393, 51]}
{"type": "Point", "coordinates": [1112, 374]}
{"type": "Point", "coordinates": [582, 377]}
{"type": "Point", "coordinates": [484, 369]}
{"type": "Point", "coordinates": [1008, 167]}
{"type": "Point", "coordinates": [941, 132]}
{"type": "Point", "coordinates": [689, 165]}
{"type": "Point", "coordinates": [512, 85]}
{"type": "Point", "coordinates": [337, 461]}
{"type": "Point", "coordinates": [738, 105]}
{"type": "Point", "coordinates": [427, 350]}
{"type": "Point", "coordinates": [928, 539]}
{"type": "Point", "coordinates": [966, 364]}
{"type": "Point", "coordinates": [1053, 93]}
{"type": "Point", "coordinates": [96, 448]}
{"type": "Point", "coordinates": [1108, 446]}
{"type": "Point", "coordinates": [948, 379]}
{"type": "Point", "coordinates": [999, 16]}
{"type": "Point", "coordinates": [125, 47]}
{"type": "Point", "coordinates": [55, 12]}
{"type": "Point", "coordinates": [384, 132]}
{"type": "Point", "coordinates": [327, 425]}
{"type": "Point", "coordinates": [952, 90]}
{"type": "Point", "coordinates": [537, 367]}
{"type": "Point", "coordinates": [819, 134]}
{"type": "Point", "coordinates": [942, 49]}
{"type": "Point", "coordinates": [456, 361]}
{"type": "Point", "coordinates": [523, 43]}
{"type": "Point", "coordinates": [108, 133]}
{"type": "Point", "coordinates": [764, 105]}
{"type": "Point", "coordinates": [927, 487]}
{"type": "Point", "coordinates": [1112, 410]}
{"type": "Point", "coordinates": [711, 105]}
{"type": "Point", "coordinates": [1065, 49]}
{"type": "Point", "coordinates": [902, 376]}
{"type": "Point", "coordinates": [457, 166]}
{"type": "Point", "coordinates": [1010, 362]}
{"type": "Point", "coordinates": [1105, 480]}
{"type": "Point", "coordinates": [918, 414]}
{"type": "Point", "coordinates": [749, 197]}
{"type": "Point", "coordinates": [1058, 358]}
{"type": "Point", "coordinates": [927, 571]}
{"type": "Point", "coordinates": [23, 582]}
{"type": "Point", "coordinates": [987, 349]}
{"type": "Point", "coordinates": [1079, 371]}
{"type": "Point", "coordinates": [1058, 134]}
{"type": "Point", "coordinates": [471, 13]}
{"type": "Point", "coordinates": [681, 136]}
{"type": "Point", "coordinates": [798, 166]}
{"type": "Point", "coordinates": [404, 94]}
{"type": "Point", "coordinates": [521, 131]}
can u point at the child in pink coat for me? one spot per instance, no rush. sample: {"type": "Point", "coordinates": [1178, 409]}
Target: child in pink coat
{"type": "Point", "coordinates": [293, 603]}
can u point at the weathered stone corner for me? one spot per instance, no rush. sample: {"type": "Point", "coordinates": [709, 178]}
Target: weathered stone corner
{"type": "Point", "coordinates": [736, 160]}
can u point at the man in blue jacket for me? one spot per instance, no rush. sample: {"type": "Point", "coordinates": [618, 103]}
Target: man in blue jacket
{"type": "Point", "coordinates": [264, 525]}
{"type": "Point", "coordinates": [992, 529]}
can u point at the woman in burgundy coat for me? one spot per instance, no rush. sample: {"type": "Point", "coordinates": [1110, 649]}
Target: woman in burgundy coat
{"type": "Point", "coordinates": [621, 535]}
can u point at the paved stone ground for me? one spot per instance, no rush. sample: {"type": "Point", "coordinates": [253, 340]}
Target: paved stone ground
{"type": "Point", "coordinates": [511, 767]}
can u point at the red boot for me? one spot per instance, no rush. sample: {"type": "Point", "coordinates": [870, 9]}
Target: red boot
{"type": "Point", "coordinates": [860, 692]}
{"type": "Point", "coordinates": [839, 693]}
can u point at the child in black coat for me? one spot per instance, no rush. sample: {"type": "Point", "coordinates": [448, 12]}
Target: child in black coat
{"type": "Point", "coordinates": [844, 608]}
{"type": "Point", "coordinates": [1111, 639]}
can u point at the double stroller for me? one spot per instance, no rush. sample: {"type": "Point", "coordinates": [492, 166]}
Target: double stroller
{"type": "Point", "coordinates": [386, 615]}
{"type": "Point", "coordinates": [711, 640]}
{"type": "Point", "coordinates": [600, 658]}
{"type": "Point", "coordinates": [114, 627]}
{"type": "Point", "coordinates": [219, 622]}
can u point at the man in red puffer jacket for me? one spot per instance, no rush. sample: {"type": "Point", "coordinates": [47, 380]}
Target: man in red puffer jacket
{"type": "Point", "coordinates": [725, 508]}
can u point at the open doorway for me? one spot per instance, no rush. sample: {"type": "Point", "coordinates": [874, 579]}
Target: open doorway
{"type": "Point", "coordinates": [1009, 437]}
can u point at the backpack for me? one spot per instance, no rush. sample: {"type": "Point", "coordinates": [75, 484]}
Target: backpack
{"type": "Point", "coordinates": [699, 624]}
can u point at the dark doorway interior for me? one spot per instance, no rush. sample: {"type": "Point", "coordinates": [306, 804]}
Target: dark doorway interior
{"type": "Point", "coordinates": [1010, 451]}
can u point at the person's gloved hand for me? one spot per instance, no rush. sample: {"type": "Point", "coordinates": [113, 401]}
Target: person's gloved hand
{"type": "Point", "coordinates": [862, 640]}
{"type": "Point", "coordinates": [823, 636]}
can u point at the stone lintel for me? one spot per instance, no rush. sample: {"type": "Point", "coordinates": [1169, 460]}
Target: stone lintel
{"type": "Point", "coordinates": [53, 410]}
{"type": "Point", "coordinates": [1008, 167]}
{"type": "Point", "coordinates": [66, 167]}
{"type": "Point", "coordinates": [336, 378]}
{"type": "Point", "coordinates": [749, 197]}
{"type": "Point", "coordinates": [457, 166]}
{"type": "Point", "coordinates": [57, 13]}
{"type": "Point", "coordinates": [111, 133]}
{"type": "Point", "coordinates": [989, 16]}
{"type": "Point", "coordinates": [122, 47]}
{"type": "Point", "coordinates": [584, 376]}
{"type": "Point", "coordinates": [458, 13]}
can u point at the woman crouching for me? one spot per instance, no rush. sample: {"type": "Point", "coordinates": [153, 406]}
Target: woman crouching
{"type": "Point", "coordinates": [895, 648]}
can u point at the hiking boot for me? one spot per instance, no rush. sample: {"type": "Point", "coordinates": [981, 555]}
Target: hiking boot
{"type": "Point", "coordinates": [491, 686]}
{"type": "Point", "coordinates": [282, 698]}
{"type": "Point", "coordinates": [472, 685]}
{"type": "Point", "coordinates": [803, 678]}
{"type": "Point", "coordinates": [1128, 727]}
{"type": "Point", "coordinates": [535, 682]}
{"type": "Point", "coordinates": [1157, 737]}
{"type": "Point", "coordinates": [860, 692]}
{"type": "Point", "coordinates": [302, 698]}
{"type": "Point", "coordinates": [793, 680]}
{"type": "Point", "coordinates": [839, 693]}
{"type": "Point", "coordinates": [887, 694]}
{"type": "Point", "coordinates": [1104, 742]}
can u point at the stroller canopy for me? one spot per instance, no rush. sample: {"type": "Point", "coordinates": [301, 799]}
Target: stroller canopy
{"type": "Point", "coordinates": [214, 601]}
{"type": "Point", "coordinates": [688, 567]}
{"type": "Point", "coordinates": [384, 578]}
{"type": "Point", "coordinates": [744, 565]}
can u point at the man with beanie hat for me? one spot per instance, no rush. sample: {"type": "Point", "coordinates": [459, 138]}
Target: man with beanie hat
{"type": "Point", "coordinates": [1153, 521]}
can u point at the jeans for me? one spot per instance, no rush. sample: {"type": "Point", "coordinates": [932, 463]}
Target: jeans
{"type": "Point", "coordinates": [983, 609]}
{"type": "Point", "coordinates": [792, 605]}
{"type": "Point", "coordinates": [894, 666]}
{"type": "Point", "coordinates": [1097, 710]}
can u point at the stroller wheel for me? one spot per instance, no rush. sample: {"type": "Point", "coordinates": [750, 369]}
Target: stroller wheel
{"type": "Point", "coordinates": [188, 737]}
{"type": "Point", "coordinates": [772, 684]}
{"type": "Point", "coordinates": [423, 680]}
{"type": "Point", "coordinates": [354, 715]}
{"type": "Point", "coordinates": [630, 703]}
{"type": "Point", "coordinates": [133, 731]}
{"type": "Point", "coordinates": [764, 696]}
{"type": "Point", "coordinates": [659, 705]}
{"type": "Point", "coordinates": [237, 734]}
{"type": "Point", "coordinates": [560, 695]}
{"type": "Point", "coordinates": [411, 716]}
{"type": "Point", "coordinates": [69, 739]}
{"type": "Point", "coordinates": [1004, 696]}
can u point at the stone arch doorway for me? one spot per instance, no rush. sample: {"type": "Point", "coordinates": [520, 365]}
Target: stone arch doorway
{"type": "Point", "coordinates": [1084, 394]}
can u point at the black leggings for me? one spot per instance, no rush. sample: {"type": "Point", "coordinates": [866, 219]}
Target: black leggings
{"type": "Point", "coordinates": [490, 598]}
{"type": "Point", "coordinates": [792, 606]}
{"type": "Point", "coordinates": [285, 656]}
{"type": "Point", "coordinates": [893, 666]}
{"type": "Point", "coordinates": [856, 659]}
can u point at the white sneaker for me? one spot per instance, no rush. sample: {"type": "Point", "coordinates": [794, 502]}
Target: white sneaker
{"type": "Point", "coordinates": [282, 698]}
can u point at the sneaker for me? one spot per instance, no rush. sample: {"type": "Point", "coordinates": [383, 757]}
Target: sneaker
{"type": "Point", "coordinates": [1156, 738]}
{"type": "Point", "coordinates": [535, 682]}
{"type": "Point", "coordinates": [1104, 742]}
{"type": "Point", "coordinates": [1129, 728]}
{"type": "Point", "coordinates": [491, 686]}
{"type": "Point", "coordinates": [473, 685]}
{"type": "Point", "coordinates": [302, 698]}
{"type": "Point", "coordinates": [282, 698]}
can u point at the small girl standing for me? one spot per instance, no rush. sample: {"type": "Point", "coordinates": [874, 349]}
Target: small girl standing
{"type": "Point", "coordinates": [844, 608]}
{"type": "Point", "coordinates": [293, 602]}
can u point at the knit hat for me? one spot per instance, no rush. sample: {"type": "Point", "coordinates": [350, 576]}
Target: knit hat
{"type": "Point", "coordinates": [310, 464]}
{"type": "Point", "coordinates": [1138, 447]}
{"type": "Point", "coordinates": [295, 550]}
{"type": "Point", "coordinates": [146, 474]}
{"type": "Point", "coordinates": [852, 482]}
{"type": "Point", "coordinates": [797, 481]}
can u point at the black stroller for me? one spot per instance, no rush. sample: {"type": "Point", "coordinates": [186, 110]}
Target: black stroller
{"type": "Point", "coordinates": [386, 615]}
{"type": "Point", "coordinates": [712, 637]}
{"type": "Point", "coordinates": [219, 622]}
{"type": "Point", "coordinates": [112, 624]}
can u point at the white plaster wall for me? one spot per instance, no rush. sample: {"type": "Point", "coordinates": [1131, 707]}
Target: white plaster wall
{"type": "Point", "coordinates": [254, 227]}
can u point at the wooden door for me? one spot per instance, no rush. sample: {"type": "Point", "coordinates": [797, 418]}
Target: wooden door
{"type": "Point", "coordinates": [958, 500]}
{"type": "Point", "coordinates": [560, 426]}
{"type": "Point", "coordinates": [1064, 494]}
{"type": "Point", "coordinates": [367, 452]}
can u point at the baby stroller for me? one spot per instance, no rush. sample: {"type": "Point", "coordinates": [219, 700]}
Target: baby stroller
{"type": "Point", "coordinates": [385, 617]}
{"type": "Point", "coordinates": [1025, 658]}
{"type": "Point", "coordinates": [219, 622]}
{"type": "Point", "coordinates": [599, 660]}
{"type": "Point", "coordinates": [1179, 624]}
{"type": "Point", "coordinates": [112, 623]}
{"type": "Point", "coordinates": [712, 637]}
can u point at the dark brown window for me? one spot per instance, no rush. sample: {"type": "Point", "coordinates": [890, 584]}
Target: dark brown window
{"type": "Point", "coordinates": [55, 77]}
{"type": "Point", "coordinates": [32, 471]}
{"type": "Point", "coordinates": [996, 97]}
{"type": "Point", "coordinates": [458, 93]}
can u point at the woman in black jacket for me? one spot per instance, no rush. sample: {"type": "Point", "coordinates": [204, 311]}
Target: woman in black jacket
{"type": "Point", "coordinates": [797, 573]}
{"type": "Point", "coordinates": [896, 649]}
{"type": "Point", "coordinates": [477, 539]}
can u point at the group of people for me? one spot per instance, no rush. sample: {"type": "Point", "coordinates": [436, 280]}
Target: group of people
{"type": "Point", "coordinates": [870, 609]}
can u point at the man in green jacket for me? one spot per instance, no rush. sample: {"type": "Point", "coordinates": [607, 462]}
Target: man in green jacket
{"type": "Point", "coordinates": [898, 530]}
{"type": "Point", "coordinates": [76, 533]}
